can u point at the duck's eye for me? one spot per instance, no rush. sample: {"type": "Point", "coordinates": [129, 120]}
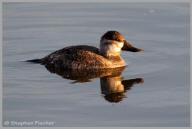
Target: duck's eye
{"type": "Point", "coordinates": [117, 39]}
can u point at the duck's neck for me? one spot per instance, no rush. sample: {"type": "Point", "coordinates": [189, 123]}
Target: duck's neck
{"type": "Point", "coordinates": [114, 58]}
{"type": "Point", "coordinates": [109, 55]}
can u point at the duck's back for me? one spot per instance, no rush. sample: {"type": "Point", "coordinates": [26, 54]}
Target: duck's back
{"type": "Point", "coordinates": [76, 57]}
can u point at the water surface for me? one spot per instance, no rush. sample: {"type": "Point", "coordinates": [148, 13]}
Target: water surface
{"type": "Point", "coordinates": [32, 93]}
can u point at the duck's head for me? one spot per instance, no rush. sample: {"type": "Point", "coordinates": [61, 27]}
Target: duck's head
{"type": "Point", "coordinates": [113, 42]}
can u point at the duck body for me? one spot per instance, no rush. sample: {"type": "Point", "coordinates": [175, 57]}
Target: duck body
{"type": "Point", "coordinates": [85, 57]}
{"type": "Point", "coordinates": [81, 57]}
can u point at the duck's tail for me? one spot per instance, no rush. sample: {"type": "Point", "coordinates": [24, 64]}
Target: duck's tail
{"type": "Point", "coordinates": [35, 60]}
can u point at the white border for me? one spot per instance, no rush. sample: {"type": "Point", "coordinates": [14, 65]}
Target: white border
{"type": "Point", "coordinates": [1, 60]}
{"type": "Point", "coordinates": [190, 60]}
{"type": "Point", "coordinates": [90, 1]}
{"type": "Point", "coordinates": [98, 1]}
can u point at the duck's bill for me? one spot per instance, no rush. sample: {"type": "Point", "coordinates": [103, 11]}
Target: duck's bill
{"type": "Point", "coordinates": [128, 47]}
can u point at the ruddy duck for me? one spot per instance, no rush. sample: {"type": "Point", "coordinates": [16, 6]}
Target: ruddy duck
{"type": "Point", "coordinates": [85, 57]}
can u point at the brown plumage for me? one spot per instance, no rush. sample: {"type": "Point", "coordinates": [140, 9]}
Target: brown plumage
{"type": "Point", "coordinates": [89, 57]}
{"type": "Point", "coordinates": [78, 57]}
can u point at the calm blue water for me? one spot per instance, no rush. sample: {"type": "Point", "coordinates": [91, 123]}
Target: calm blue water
{"type": "Point", "coordinates": [31, 93]}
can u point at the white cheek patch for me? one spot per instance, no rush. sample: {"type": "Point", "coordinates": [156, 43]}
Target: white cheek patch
{"type": "Point", "coordinates": [120, 44]}
{"type": "Point", "coordinates": [113, 46]}
{"type": "Point", "coordinates": [117, 47]}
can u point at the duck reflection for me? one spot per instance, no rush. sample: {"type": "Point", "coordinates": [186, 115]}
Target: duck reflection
{"type": "Point", "coordinates": [113, 87]}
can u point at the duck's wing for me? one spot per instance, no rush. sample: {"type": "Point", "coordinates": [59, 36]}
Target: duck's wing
{"type": "Point", "coordinates": [72, 49]}
{"type": "Point", "coordinates": [75, 57]}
